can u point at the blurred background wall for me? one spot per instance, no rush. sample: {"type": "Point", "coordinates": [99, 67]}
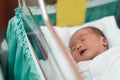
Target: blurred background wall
{"type": "Point", "coordinates": [6, 12]}
{"type": "Point", "coordinates": [3, 13]}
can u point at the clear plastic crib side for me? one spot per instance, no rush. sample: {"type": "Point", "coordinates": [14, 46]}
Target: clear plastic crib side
{"type": "Point", "coordinates": [49, 66]}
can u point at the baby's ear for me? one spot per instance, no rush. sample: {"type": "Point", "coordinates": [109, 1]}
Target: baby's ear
{"type": "Point", "coordinates": [105, 42]}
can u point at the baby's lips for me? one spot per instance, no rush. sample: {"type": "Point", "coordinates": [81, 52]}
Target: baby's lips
{"type": "Point", "coordinates": [82, 51]}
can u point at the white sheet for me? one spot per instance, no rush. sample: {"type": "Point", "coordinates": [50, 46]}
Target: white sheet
{"type": "Point", "coordinates": [99, 68]}
{"type": "Point", "coordinates": [105, 66]}
{"type": "Point", "coordinates": [107, 25]}
{"type": "Point", "coordinates": [83, 67]}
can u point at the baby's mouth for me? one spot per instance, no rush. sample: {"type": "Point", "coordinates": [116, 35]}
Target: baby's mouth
{"type": "Point", "coordinates": [82, 52]}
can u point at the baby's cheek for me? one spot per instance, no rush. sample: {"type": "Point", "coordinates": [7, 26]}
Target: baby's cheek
{"type": "Point", "coordinates": [76, 56]}
{"type": "Point", "coordinates": [90, 56]}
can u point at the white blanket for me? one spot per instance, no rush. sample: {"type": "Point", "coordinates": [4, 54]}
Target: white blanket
{"type": "Point", "coordinates": [101, 67]}
{"type": "Point", "coordinates": [105, 66]}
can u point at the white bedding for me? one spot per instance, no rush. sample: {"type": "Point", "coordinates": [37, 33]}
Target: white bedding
{"type": "Point", "coordinates": [107, 25]}
{"type": "Point", "coordinates": [107, 65]}
{"type": "Point", "coordinates": [104, 66]}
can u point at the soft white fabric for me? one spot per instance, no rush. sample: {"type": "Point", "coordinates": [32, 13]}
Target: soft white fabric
{"type": "Point", "coordinates": [83, 67]}
{"type": "Point", "coordinates": [57, 55]}
{"type": "Point", "coordinates": [105, 66]}
{"type": "Point", "coordinates": [108, 26]}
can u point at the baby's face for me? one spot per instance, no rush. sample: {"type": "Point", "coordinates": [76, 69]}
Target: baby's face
{"type": "Point", "coordinates": [85, 45]}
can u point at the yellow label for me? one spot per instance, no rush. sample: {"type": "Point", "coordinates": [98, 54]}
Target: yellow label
{"type": "Point", "coordinates": [70, 12]}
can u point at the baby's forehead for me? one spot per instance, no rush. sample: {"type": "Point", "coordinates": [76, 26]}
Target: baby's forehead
{"type": "Point", "coordinates": [83, 31]}
{"type": "Point", "coordinates": [79, 34]}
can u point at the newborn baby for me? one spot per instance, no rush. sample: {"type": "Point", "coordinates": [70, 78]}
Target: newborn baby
{"type": "Point", "coordinates": [85, 44]}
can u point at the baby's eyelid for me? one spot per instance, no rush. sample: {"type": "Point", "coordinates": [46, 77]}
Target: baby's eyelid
{"type": "Point", "coordinates": [83, 39]}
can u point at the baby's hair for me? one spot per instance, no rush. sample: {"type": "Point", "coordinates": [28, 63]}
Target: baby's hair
{"type": "Point", "coordinates": [95, 30]}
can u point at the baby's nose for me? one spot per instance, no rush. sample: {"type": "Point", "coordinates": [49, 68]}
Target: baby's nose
{"type": "Point", "coordinates": [78, 46]}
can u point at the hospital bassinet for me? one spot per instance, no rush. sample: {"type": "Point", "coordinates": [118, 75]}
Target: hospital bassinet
{"type": "Point", "coordinates": [24, 48]}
